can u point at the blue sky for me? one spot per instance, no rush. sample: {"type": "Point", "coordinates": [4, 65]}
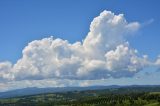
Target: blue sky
{"type": "Point", "coordinates": [27, 20]}
{"type": "Point", "coordinates": [24, 21]}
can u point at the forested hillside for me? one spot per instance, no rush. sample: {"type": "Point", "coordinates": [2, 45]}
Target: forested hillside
{"type": "Point", "coordinates": [125, 96]}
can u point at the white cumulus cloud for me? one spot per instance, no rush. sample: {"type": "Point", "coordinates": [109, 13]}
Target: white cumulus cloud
{"type": "Point", "coordinates": [104, 53]}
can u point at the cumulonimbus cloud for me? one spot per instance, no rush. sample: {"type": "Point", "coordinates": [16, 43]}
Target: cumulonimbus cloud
{"type": "Point", "coordinates": [104, 53]}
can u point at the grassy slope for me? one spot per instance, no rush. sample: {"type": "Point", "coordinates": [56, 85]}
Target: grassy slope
{"type": "Point", "coordinates": [153, 104]}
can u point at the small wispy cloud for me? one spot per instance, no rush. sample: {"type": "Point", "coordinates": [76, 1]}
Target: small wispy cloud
{"type": "Point", "coordinates": [148, 22]}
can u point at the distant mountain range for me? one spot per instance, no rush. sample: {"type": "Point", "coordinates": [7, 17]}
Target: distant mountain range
{"type": "Point", "coordinates": [35, 90]}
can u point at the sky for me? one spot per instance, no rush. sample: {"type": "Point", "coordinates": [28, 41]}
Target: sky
{"type": "Point", "coordinates": [61, 42]}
